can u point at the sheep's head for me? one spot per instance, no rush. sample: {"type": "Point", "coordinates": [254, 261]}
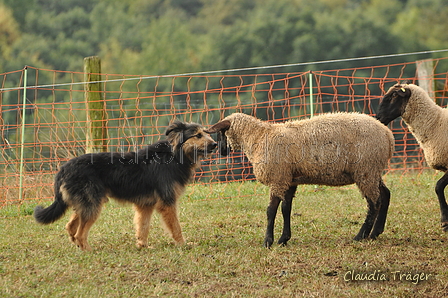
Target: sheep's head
{"type": "Point", "coordinates": [220, 128]}
{"type": "Point", "coordinates": [394, 103]}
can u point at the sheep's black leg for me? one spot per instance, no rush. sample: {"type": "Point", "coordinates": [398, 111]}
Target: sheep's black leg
{"type": "Point", "coordinates": [286, 211]}
{"type": "Point", "coordinates": [440, 188]}
{"type": "Point", "coordinates": [380, 221]}
{"type": "Point", "coordinates": [368, 223]}
{"type": "Point", "coordinates": [271, 213]}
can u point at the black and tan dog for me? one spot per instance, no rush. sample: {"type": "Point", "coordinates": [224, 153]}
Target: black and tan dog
{"type": "Point", "coordinates": [151, 178]}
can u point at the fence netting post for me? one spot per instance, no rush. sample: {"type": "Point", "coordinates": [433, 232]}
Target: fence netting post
{"type": "Point", "coordinates": [310, 78]}
{"type": "Point", "coordinates": [22, 141]}
{"type": "Point", "coordinates": [96, 134]}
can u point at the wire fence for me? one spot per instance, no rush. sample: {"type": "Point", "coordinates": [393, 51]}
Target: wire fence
{"type": "Point", "coordinates": [49, 126]}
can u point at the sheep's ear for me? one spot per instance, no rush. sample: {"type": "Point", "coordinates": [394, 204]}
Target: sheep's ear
{"type": "Point", "coordinates": [220, 126]}
{"type": "Point", "coordinates": [403, 91]}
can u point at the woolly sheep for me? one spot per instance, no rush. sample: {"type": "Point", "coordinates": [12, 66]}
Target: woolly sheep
{"type": "Point", "coordinates": [428, 122]}
{"type": "Point", "coordinates": [330, 149]}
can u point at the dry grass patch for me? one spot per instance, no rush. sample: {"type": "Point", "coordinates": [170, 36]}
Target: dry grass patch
{"type": "Point", "coordinates": [225, 257]}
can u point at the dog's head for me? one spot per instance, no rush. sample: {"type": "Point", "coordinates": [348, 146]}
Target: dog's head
{"type": "Point", "coordinates": [220, 128]}
{"type": "Point", "coordinates": [190, 139]}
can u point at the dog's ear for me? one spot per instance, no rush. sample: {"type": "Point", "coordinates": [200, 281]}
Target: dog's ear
{"type": "Point", "coordinates": [220, 126]}
{"type": "Point", "coordinates": [176, 126]}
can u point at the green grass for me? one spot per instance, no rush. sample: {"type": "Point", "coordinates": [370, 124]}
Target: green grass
{"type": "Point", "coordinates": [224, 256]}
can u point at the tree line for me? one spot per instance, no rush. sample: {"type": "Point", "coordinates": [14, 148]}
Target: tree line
{"type": "Point", "coordinates": [156, 37]}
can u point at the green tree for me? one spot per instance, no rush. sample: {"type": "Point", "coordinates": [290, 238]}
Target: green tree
{"type": "Point", "coordinates": [9, 33]}
{"type": "Point", "coordinates": [422, 25]}
{"type": "Point", "coordinates": [174, 36]}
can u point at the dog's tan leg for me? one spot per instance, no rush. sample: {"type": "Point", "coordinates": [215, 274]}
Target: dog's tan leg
{"type": "Point", "coordinates": [171, 222]}
{"type": "Point", "coordinates": [142, 219]}
{"type": "Point", "coordinates": [87, 218]}
{"type": "Point", "coordinates": [72, 226]}
{"type": "Point", "coordinates": [83, 232]}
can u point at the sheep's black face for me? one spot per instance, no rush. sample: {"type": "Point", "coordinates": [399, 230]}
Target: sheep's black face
{"type": "Point", "coordinates": [220, 128]}
{"type": "Point", "coordinates": [222, 141]}
{"type": "Point", "coordinates": [393, 104]}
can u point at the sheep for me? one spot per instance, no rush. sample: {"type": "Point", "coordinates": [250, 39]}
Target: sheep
{"type": "Point", "coordinates": [428, 122]}
{"type": "Point", "coordinates": [331, 149]}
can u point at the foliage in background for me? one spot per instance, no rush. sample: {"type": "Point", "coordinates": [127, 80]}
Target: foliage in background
{"type": "Point", "coordinates": [172, 36]}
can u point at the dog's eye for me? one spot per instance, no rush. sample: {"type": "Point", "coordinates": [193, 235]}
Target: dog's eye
{"type": "Point", "coordinates": [199, 135]}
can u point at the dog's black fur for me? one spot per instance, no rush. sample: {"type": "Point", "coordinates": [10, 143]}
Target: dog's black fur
{"type": "Point", "coordinates": [153, 177]}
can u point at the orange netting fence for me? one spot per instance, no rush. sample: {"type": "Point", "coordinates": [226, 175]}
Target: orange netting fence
{"type": "Point", "coordinates": [46, 129]}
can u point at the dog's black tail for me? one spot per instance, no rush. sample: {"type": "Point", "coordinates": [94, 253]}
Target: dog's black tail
{"type": "Point", "coordinates": [53, 212]}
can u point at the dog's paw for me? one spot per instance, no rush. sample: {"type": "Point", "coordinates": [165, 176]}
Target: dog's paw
{"type": "Point", "coordinates": [141, 244]}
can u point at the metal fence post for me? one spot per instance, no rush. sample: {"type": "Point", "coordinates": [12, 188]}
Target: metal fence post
{"type": "Point", "coordinates": [310, 78]}
{"type": "Point", "coordinates": [22, 141]}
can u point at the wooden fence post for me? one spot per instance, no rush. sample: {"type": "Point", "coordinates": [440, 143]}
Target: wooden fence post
{"type": "Point", "coordinates": [425, 75]}
{"type": "Point", "coordinates": [96, 135]}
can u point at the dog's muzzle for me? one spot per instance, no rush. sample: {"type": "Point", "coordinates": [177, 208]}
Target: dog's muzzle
{"type": "Point", "coordinates": [211, 147]}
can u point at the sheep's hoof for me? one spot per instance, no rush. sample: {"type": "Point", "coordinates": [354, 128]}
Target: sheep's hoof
{"type": "Point", "coordinates": [359, 237]}
{"type": "Point", "coordinates": [268, 243]}
{"type": "Point", "coordinates": [445, 226]}
{"type": "Point", "coordinates": [283, 241]}
{"type": "Point", "coordinates": [363, 234]}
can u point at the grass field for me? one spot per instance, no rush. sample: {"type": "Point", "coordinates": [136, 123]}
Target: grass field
{"type": "Point", "coordinates": [224, 256]}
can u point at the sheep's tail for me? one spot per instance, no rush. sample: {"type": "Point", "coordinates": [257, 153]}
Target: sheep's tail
{"type": "Point", "coordinates": [53, 212]}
